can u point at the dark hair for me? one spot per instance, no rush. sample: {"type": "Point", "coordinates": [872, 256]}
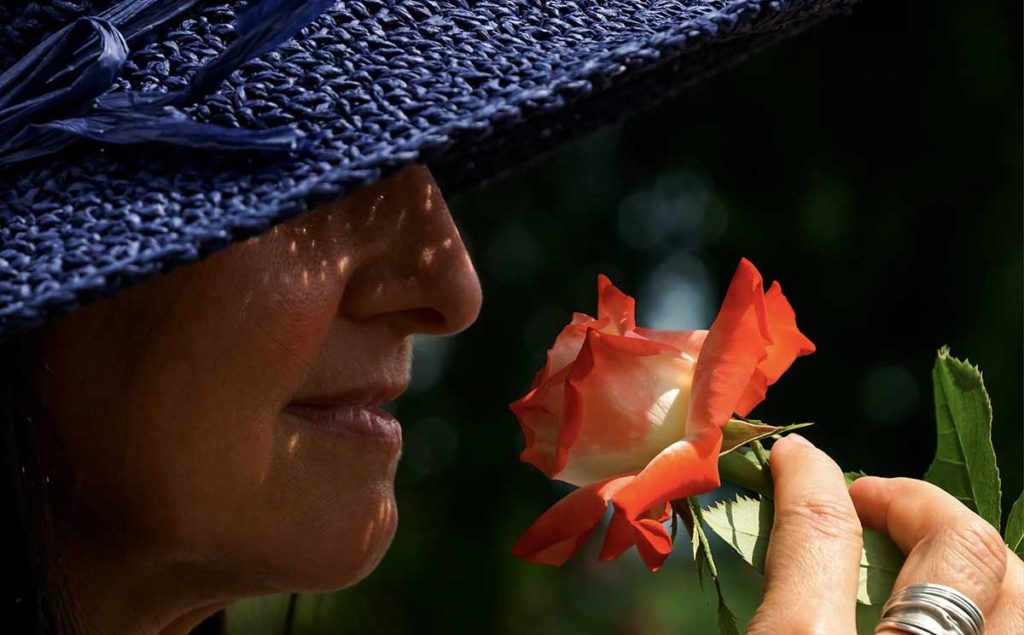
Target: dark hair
{"type": "Point", "coordinates": [34, 595]}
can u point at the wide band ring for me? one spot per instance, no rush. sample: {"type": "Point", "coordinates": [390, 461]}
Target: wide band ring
{"type": "Point", "coordinates": [931, 609]}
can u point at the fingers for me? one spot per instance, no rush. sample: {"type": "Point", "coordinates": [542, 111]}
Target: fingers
{"type": "Point", "coordinates": [945, 542]}
{"type": "Point", "coordinates": [1007, 617]}
{"type": "Point", "coordinates": [813, 558]}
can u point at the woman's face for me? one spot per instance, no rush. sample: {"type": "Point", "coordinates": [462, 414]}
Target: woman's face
{"type": "Point", "coordinates": [211, 417]}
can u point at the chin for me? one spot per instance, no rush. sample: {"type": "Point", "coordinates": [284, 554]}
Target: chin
{"type": "Point", "coordinates": [354, 551]}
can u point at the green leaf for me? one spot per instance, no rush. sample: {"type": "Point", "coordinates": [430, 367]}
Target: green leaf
{"type": "Point", "coordinates": [726, 619]}
{"type": "Point", "coordinates": [700, 558]}
{"type": "Point", "coordinates": [880, 562]}
{"type": "Point", "coordinates": [850, 477]}
{"type": "Point", "coordinates": [965, 461]}
{"type": "Point", "coordinates": [745, 525]}
{"type": "Point", "coordinates": [701, 539]}
{"type": "Point", "coordinates": [1014, 534]}
{"type": "Point", "coordinates": [681, 508]}
{"type": "Point", "coordinates": [738, 432]}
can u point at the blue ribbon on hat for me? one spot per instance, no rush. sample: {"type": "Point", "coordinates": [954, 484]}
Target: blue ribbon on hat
{"type": "Point", "coordinates": [57, 94]}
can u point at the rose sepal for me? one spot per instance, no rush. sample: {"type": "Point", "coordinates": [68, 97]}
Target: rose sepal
{"type": "Point", "coordinates": [740, 432]}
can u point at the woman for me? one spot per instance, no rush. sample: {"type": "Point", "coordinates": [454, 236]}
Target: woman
{"type": "Point", "coordinates": [210, 417]}
{"type": "Point", "coordinates": [214, 433]}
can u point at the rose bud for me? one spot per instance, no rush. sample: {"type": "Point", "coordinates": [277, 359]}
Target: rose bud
{"type": "Point", "coordinates": [633, 416]}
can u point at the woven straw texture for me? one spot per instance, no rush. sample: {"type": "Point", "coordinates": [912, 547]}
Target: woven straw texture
{"type": "Point", "coordinates": [470, 88]}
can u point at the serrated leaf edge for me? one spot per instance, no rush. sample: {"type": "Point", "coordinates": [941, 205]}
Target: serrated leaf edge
{"type": "Point", "coordinates": [945, 355]}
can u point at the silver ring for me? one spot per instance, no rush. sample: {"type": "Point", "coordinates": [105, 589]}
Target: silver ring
{"type": "Point", "coordinates": [931, 609]}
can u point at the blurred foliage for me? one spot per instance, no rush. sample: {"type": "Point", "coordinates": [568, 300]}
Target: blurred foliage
{"type": "Point", "coordinates": [873, 165]}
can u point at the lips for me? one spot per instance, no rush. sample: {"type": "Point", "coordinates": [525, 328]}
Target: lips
{"type": "Point", "coordinates": [355, 413]}
{"type": "Point", "coordinates": [368, 422]}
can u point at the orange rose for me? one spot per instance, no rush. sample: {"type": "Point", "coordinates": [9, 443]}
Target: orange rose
{"type": "Point", "coordinates": [633, 416]}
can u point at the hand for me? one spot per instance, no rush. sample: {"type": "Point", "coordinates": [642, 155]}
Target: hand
{"type": "Point", "coordinates": [945, 543]}
{"type": "Point", "coordinates": [814, 554]}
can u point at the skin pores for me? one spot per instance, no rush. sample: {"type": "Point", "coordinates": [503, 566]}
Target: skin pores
{"type": "Point", "coordinates": [189, 483]}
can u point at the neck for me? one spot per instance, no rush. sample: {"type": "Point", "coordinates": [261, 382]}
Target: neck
{"type": "Point", "coordinates": [131, 595]}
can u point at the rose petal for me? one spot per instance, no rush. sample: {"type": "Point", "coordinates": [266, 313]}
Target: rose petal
{"type": "Point", "coordinates": [734, 350]}
{"type": "Point", "coordinates": [622, 533]}
{"type": "Point", "coordinates": [685, 468]}
{"type": "Point", "coordinates": [625, 400]}
{"type": "Point", "coordinates": [618, 538]}
{"type": "Point", "coordinates": [788, 343]}
{"type": "Point", "coordinates": [561, 530]}
{"type": "Point", "coordinates": [615, 305]}
{"type": "Point", "coordinates": [688, 343]}
{"type": "Point", "coordinates": [540, 417]}
{"type": "Point", "coordinates": [566, 347]}
{"type": "Point", "coordinates": [559, 553]}
{"type": "Point", "coordinates": [652, 542]}
{"type": "Point", "coordinates": [735, 346]}
{"type": "Point", "coordinates": [540, 411]}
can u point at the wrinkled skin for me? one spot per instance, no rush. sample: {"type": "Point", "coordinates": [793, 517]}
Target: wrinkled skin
{"type": "Point", "coordinates": [813, 561]}
{"type": "Point", "coordinates": [187, 486]}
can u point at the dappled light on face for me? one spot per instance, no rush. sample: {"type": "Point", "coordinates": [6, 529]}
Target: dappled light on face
{"type": "Point", "coordinates": [427, 255]}
{"type": "Point", "coordinates": [392, 246]}
{"type": "Point", "coordinates": [342, 264]}
{"type": "Point", "coordinates": [323, 306]}
{"type": "Point", "coordinates": [374, 206]}
{"type": "Point", "coordinates": [384, 521]}
{"type": "Point", "coordinates": [397, 233]}
{"type": "Point", "coordinates": [313, 254]}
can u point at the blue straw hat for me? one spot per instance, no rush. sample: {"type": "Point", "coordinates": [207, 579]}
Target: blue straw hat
{"type": "Point", "coordinates": [116, 117]}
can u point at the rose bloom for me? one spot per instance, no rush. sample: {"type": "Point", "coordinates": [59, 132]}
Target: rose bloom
{"type": "Point", "coordinates": [633, 416]}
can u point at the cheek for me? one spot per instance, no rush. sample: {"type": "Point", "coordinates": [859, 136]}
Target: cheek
{"type": "Point", "coordinates": [237, 482]}
{"type": "Point", "coordinates": [179, 442]}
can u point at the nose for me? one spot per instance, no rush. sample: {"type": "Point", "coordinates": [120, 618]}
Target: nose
{"type": "Point", "coordinates": [413, 269]}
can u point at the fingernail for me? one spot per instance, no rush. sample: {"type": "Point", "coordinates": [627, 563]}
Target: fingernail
{"type": "Point", "coordinates": [799, 439]}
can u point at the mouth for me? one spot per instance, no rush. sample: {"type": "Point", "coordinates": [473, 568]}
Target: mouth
{"type": "Point", "coordinates": [353, 413]}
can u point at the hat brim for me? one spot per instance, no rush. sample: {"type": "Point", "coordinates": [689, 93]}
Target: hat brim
{"type": "Point", "coordinates": [470, 92]}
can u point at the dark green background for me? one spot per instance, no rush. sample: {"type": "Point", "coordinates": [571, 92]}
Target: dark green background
{"type": "Point", "coordinates": [871, 165]}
